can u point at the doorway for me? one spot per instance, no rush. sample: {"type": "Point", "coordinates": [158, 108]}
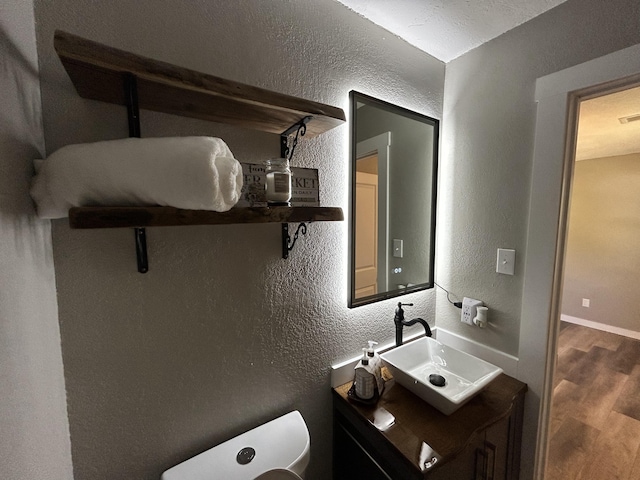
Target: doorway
{"type": "Point", "coordinates": [594, 428]}
{"type": "Point", "coordinates": [557, 96]}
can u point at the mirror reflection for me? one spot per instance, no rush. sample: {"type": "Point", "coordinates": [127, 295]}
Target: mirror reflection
{"type": "Point", "coordinates": [393, 197]}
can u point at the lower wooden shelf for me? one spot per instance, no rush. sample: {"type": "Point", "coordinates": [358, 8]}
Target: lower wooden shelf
{"type": "Point", "coordinates": [120, 217]}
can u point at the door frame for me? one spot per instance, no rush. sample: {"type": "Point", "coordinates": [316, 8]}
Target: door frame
{"type": "Point", "coordinates": [557, 96]}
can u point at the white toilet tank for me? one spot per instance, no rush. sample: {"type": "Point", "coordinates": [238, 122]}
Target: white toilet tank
{"type": "Point", "coordinates": [278, 449]}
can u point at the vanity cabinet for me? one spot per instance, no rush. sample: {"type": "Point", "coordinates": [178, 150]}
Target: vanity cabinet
{"type": "Point", "coordinates": [404, 438]}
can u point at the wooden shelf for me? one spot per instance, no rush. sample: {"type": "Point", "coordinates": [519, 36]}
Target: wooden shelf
{"type": "Point", "coordinates": [107, 74]}
{"type": "Point", "coordinates": [97, 72]}
{"type": "Point", "coordinates": [119, 217]}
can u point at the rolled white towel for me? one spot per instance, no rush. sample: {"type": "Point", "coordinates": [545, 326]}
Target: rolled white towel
{"type": "Point", "coordinates": [195, 173]}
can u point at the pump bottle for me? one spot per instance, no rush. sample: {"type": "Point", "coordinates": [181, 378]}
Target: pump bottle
{"type": "Point", "coordinates": [365, 380]}
{"type": "Point", "coordinates": [376, 365]}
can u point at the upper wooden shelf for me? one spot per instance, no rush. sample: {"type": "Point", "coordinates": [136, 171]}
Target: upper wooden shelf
{"type": "Point", "coordinates": [97, 72]}
{"type": "Point", "coordinates": [118, 217]}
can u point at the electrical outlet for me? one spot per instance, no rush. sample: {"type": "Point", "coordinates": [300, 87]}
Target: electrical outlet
{"type": "Point", "coordinates": [469, 309]}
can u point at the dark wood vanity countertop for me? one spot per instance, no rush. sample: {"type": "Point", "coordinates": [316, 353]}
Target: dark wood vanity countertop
{"type": "Point", "coordinates": [416, 423]}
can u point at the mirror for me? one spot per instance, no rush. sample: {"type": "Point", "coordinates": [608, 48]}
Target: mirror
{"type": "Point", "coordinates": [394, 155]}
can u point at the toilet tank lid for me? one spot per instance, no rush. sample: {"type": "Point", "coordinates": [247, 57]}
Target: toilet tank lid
{"type": "Point", "coordinates": [280, 443]}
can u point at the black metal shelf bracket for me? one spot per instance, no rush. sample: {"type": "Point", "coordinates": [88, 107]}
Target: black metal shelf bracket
{"type": "Point", "coordinates": [141, 249]}
{"type": "Point", "coordinates": [130, 84]}
{"type": "Point", "coordinates": [287, 242]}
{"type": "Point", "coordinates": [299, 128]}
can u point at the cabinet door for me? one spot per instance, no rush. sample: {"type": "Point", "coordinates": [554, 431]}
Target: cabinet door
{"type": "Point", "coordinates": [470, 464]}
{"type": "Point", "coordinates": [503, 442]}
{"type": "Point", "coordinates": [350, 460]}
{"type": "Point", "coordinates": [496, 447]}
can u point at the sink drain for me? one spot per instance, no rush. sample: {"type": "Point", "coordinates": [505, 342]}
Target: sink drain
{"type": "Point", "coordinates": [437, 380]}
{"type": "Point", "coordinates": [245, 455]}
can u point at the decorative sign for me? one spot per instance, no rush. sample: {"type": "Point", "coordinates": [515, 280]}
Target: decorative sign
{"type": "Point", "coordinates": [305, 189]}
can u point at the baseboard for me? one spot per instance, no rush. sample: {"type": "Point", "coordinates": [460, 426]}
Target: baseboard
{"type": "Point", "coordinates": [601, 326]}
{"type": "Point", "coordinates": [342, 372]}
{"type": "Point", "coordinates": [508, 363]}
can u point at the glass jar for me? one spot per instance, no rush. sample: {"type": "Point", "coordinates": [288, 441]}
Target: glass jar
{"type": "Point", "coordinates": [278, 182]}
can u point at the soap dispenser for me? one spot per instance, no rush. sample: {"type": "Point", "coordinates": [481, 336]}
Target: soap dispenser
{"type": "Point", "coordinates": [376, 364]}
{"type": "Point", "coordinates": [364, 378]}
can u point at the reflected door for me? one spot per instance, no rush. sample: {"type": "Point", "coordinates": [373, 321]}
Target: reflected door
{"type": "Point", "coordinates": [366, 234]}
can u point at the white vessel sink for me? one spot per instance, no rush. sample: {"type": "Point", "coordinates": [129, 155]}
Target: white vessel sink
{"type": "Point", "coordinates": [414, 363]}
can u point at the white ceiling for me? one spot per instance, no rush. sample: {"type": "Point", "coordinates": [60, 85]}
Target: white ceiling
{"type": "Point", "coordinates": [600, 133]}
{"type": "Point", "coordinates": [446, 29]}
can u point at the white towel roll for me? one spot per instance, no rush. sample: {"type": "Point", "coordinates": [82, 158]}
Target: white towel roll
{"type": "Point", "coordinates": [195, 173]}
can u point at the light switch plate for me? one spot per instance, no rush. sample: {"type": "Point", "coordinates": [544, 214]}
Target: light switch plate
{"type": "Point", "coordinates": [506, 262]}
{"type": "Point", "coordinates": [398, 247]}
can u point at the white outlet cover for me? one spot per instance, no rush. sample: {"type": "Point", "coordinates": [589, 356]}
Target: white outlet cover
{"type": "Point", "coordinates": [469, 310]}
{"type": "Point", "coordinates": [506, 261]}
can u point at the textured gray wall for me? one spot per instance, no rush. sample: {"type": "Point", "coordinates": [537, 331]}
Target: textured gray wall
{"type": "Point", "coordinates": [486, 163]}
{"type": "Point", "coordinates": [221, 334]}
{"type": "Point", "coordinates": [602, 258]}
{"type": "Point", "coordinates": [34, 438]}
{"type": "Point", "coordinates": [487, 147]}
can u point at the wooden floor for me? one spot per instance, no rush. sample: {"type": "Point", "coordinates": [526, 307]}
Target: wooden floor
{"type": "Point", "coordinates": [595, 416]}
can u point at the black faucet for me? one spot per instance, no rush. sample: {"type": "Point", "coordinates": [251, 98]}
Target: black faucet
{"type": "Point", "coordinates": [401, 322]}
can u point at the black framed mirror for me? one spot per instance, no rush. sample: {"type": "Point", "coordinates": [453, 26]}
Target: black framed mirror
{"type": "Point", "coordinates": [394, 159]}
